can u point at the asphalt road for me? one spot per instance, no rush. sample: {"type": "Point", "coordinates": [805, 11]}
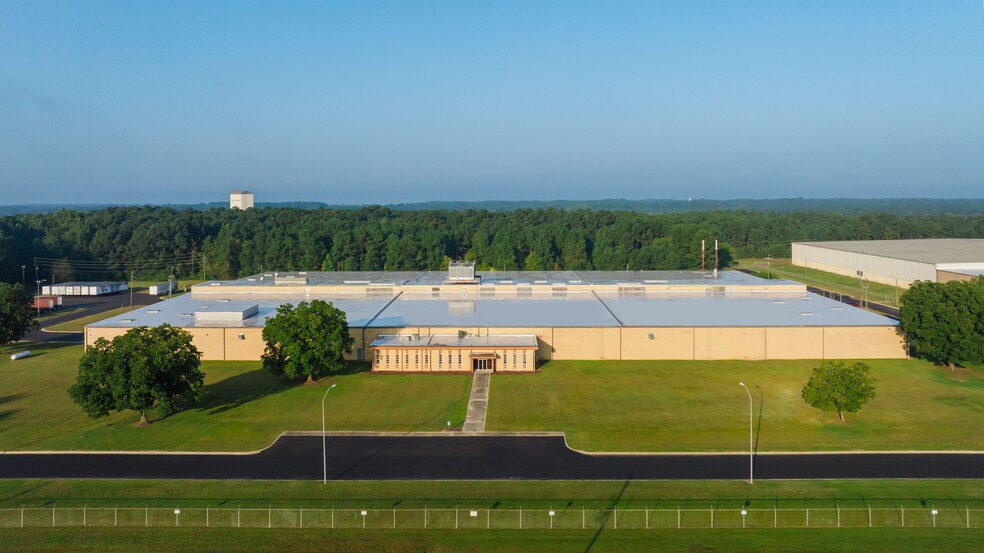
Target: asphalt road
{"type": "Point", "coordinates": [476, 457]}
{"type": "Point", "coordinates": [87, 305]}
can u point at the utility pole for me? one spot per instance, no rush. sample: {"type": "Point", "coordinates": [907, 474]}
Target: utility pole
{"type": "Point", "coordinates": [131, 288]}
{"type": "Point", "coordinates": [24, 276]}
{"type": "Point", "coordinates": [170, 283]}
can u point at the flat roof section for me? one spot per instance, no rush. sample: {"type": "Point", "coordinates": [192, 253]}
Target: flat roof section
{"type": "Point", "coordinates": [573, 310]}
{"type": "Point", "coordinates": [181, 310]}
{"type": "Point", "coordinates": [932, 251]}
{"type": "Point", "coordinates": [772, 309]}
{"type": "Point", "coordinates": [453, 341]}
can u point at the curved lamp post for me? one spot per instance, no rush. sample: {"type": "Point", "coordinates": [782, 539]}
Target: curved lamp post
{"type": "Point", "coordinates": [324, 447]}
{"type": "Point", "coordinates": [751, 465]}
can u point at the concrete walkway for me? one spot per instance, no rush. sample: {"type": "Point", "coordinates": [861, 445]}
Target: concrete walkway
{"type": "Point", "coordinates": [478, 402]}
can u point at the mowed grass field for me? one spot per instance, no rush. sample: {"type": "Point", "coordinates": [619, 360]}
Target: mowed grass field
{"type": "Point", "coordinates": [601, 405]}
{"type": "Point", "coordinates": [916, 496]}
{"type": "Point", "coordinates": [246, 407]}
{"type": "Point", "coordinates": [784, 268]}
{"type": "Point", "coordinates": [699, 406]}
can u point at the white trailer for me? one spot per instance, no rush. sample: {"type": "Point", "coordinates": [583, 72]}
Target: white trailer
{"type": "Point", "coordinates": [163, 288]}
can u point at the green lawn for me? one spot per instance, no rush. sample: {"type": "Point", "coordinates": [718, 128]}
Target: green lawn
{"type": "Point", "coordinates": [78, 325]}
{"type": "Point", "coordinates": [143, 540]}
{"type": "Point", "coordinates": [784, 268]}
{"type": "Point", "coordinates": [246, 407]}
{"type": "Point", "coordinates": [915, 496]}
{"type": "Point", "coordinates": [699, 406]}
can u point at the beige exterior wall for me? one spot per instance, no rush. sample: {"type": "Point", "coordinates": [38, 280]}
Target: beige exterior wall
{"type": "Point", "coordinates": [947, 276]}
{"type": "Point", "coordinates": [794, 343]}
{"type": "Point", "coordinates": [600, 343]}
{"type": "Point", "coordinates": [243, 344]}
{"type": "Point", "coordinates": [666, 343]}
{"type": "Point", "coordinates": [869, 342]}
{"type": "Point", "coordinates": [586, 343]}
{"type": "Point", "coordinates": [729, 343]}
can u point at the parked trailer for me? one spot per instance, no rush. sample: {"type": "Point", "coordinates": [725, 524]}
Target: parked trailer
{"type": "Point", "coordinates": [163, 288]}
{"type": "Point", "coordinates": [47, 303]}
{"type": "Point", "coordinates": [85, 288]}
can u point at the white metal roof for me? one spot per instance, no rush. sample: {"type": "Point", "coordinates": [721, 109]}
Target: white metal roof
{"type": "Point", "coordinates": [933, 251]}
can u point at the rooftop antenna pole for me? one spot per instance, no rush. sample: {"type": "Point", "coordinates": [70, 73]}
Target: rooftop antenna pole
{"type": "Point", "coordinates": [715, 258]}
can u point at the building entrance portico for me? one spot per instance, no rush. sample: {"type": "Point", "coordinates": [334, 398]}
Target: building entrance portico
{"type": "Point", "coordinates": [483, 363]}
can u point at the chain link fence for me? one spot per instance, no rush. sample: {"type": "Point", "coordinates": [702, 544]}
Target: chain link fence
{"type": "Point", "coordinates": [493, 519]}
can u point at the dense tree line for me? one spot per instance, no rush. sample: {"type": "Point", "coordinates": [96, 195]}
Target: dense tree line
{"type": "Point", "coordinates": [110, 243]}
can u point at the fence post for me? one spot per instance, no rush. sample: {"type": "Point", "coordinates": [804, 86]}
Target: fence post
{"type": "Point", "coordinates": [712, 517]}
{"type": "Point", "coordinates": [678, 518]}
{"type": "Point", "coordinates": [647, 517]}
{"type": "Point", "coordinates": [146, 516]}
{"type": "Point", "coordinates": [807, 517]}
{"type": "Point", "coordinates": [838, 516]}
{"type": "Point", "coordinates": [583, 521]}
{"type": "Point", "coordinates": [869, 516]}
{"type": "Point", "coordinates": [238, 520]}
{"type": "Point", "coordinates": [615, 518]}
{"type": "Point", "coordinates": [520, 517]}
{"type": "Point", "coordinates": [903, 515]}
{"type": "Point", "coordinates": [83, 516]}
{"type": "Point", "coordinates": [206, 517]}
{"type": "Point", "coordinates": [269, 516]}
{"type": "Point", "coordinates": [968, 515]}
{"type": "Point", "coordinates": [332, 517]}
{"type": "Point", "coordinates": [300, 518]}
{"type": "Point", "coordinates": [488, 519]}
{"type": "Point", "coordinates": [425, 517]}
{"type": "Point", "coordinates": [116, 517]}
{"type": "Point", "coordinates": [775, 516]}
{"type": "Point", "coordinates": [455, 518]}
{"type": "Point", "coordinates": [52, 517]}
{"type": "Point", "coordinates": [394, 517]}
{"type": "Point", "coordinates": [22, 516]}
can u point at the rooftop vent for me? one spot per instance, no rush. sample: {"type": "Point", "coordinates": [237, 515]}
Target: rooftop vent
{"type": "Point", "coordinates": [461, 272]}
{"type": "Point", "coordinates": [153, 311]}
{"type": "Point", "coordinates": [807, 313]}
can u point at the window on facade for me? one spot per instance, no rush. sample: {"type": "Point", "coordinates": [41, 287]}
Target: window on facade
{"type": "Point", "coordinates": [387, 359]}
{"type": "Point", "coordinates": [397, 358]}
{"type": "Point", "coordinates": [377, 357]}
{"type": "Point", "coordinates": [416, 359]}
{"type": "Point", "coordinates": [426, 358]}
{"type": "Point", "coordinates": [440, 359]}
{"type": "Point", "coordinates": [407, 359]}
{"type": "Point", "coordinates": [459, 358]}
{"type": "Point", "coordinates": [524, 359]}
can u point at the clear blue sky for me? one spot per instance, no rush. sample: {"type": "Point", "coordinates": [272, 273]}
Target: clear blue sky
{"type": "Point", "coordinates": [379, 102]}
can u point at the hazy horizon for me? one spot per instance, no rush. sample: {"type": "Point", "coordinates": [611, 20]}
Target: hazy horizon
{"type": "Point", "coordinates": [403, 102]}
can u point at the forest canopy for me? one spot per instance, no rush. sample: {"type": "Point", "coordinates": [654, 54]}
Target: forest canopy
{"type": "Point", "coordinates": [149, 241]}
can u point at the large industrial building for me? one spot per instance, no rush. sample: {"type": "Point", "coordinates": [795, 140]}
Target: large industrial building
{"type": "Point", "coordinates": [895, 262]}
{"type": "Point", "coordinates": [240, 199]}
{"type": "Point", "coordinates": [511, 321]}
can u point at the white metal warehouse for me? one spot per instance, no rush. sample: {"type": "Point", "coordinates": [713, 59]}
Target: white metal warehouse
{"type": "Point", "coordinates": [895, 262]}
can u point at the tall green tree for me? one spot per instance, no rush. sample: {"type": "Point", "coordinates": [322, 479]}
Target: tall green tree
{"type": "Point", "coordinates": [144, 369]}
{"type": "Point", "coordinates": [838, 388]}
{"type": "Point", "coordinates": [944, 322]}
{"type": "Point", "coordinates": [16, 313]}
{"type": "Point", "coordinates": [308, 340]}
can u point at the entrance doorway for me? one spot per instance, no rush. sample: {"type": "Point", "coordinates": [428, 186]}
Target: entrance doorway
{"type": "Point", "coordinates": [483, 364]}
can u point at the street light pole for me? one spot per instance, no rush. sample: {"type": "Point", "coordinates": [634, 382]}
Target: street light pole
{"type": "Point", "coordinates": [24, 276]}
{"type": "Point", "coordinates": [324, 446]}
{"type": "Point", "coordinates": [751, 451]}
{"type": "Point", "coordinates": [36, 302]}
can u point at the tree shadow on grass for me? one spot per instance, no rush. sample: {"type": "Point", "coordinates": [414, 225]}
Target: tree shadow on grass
{"type": "Point", "coordinates": [239, 390]}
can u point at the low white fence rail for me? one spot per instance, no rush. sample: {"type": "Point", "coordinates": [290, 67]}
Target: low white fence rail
{"type": "Point", "coordinates": [493, 519]}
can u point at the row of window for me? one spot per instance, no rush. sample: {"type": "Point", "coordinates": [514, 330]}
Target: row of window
{"type": "Point", "coordinates": [403, 358]}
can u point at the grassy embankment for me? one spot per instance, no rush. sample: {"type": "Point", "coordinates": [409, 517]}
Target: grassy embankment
{"type": "Point", "coordinates": [783, 268]}
{"type": "Point", "coordinates": [601, 405]}
{"type": "Point", "coordinates": [915, 496]}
